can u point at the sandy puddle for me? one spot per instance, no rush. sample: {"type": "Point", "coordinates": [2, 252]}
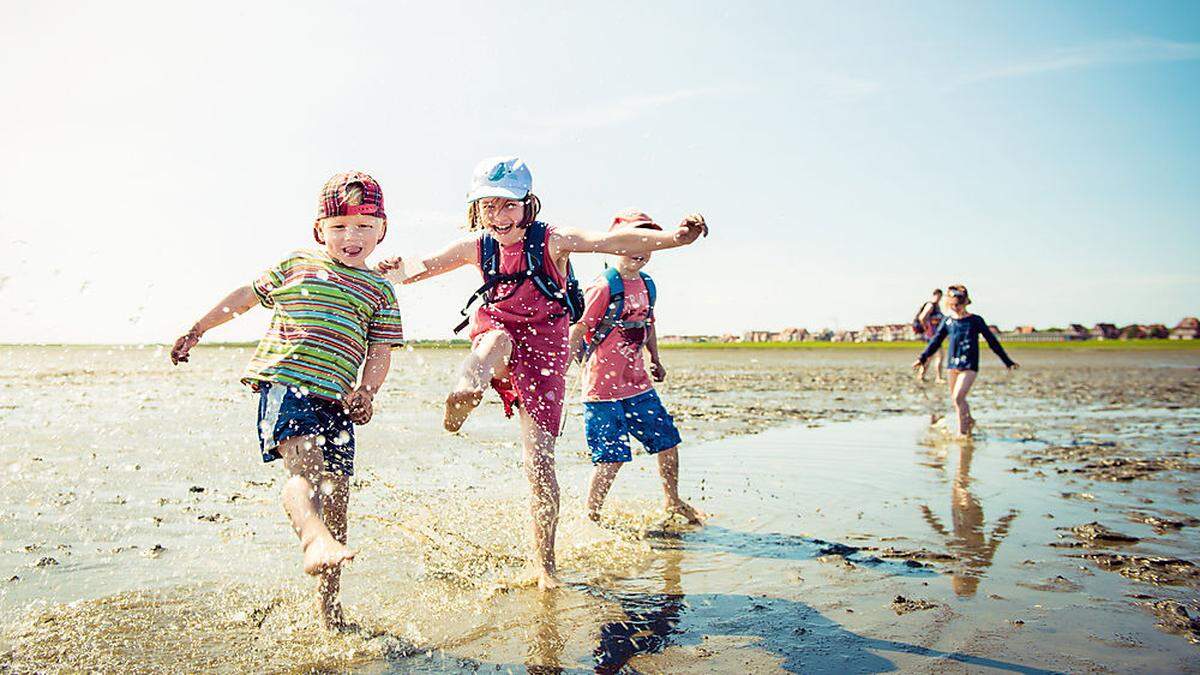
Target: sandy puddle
{"type": "Point", "coordinates": [1064, 538]}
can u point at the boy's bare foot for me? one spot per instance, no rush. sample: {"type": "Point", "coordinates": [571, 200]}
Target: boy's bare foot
{"type": "Point", "coordinates": [459, 405]}
{"type": "Point", "coordinates": [682, 508]}
{"type": "Point", "coordinates": [941, 380]}
{"type": "Point", "coordinates": [323, 553]}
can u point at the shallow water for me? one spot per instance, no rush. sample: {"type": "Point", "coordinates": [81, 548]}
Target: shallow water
{"type": "Point", "coordinates": [108, 454]}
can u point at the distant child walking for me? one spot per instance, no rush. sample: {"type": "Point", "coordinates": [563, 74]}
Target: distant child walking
{"type": "Point", "coordinates": [333, 317]}
{"type": "Point", "coordinates": [519, 333]}
{"type": "Point", "coordinates": [963, 330]}
{"type": "Point", "coordinates": [926, 323]}
{"type": "Point", "coordinates": [619, 399]}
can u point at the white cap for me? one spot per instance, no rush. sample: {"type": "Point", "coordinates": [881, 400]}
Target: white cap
{"type": "Point", "coordinates": [506, 177]}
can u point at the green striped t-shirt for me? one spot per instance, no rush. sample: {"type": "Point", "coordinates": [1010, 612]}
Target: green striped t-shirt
{"type": "Point", "coordinates": [326, 314]}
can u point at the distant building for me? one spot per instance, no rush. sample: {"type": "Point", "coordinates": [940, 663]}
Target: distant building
{"type": "Point", "coordinates": [1155, 331]}
{"type": "Point", "coordinates": [757, 336]}
{"type": "Point", "coordinates": [793, 335]}
{"type": "Point", "coordinates": [1024, 330]}
{"type": "Point", "coordinates": [1188, 329]}
{"type": "Point", "coordinates": [823, 335]}
{"type": "Point", "coordinates": [1131, 332]}
{"type": "Point", "coordinates": [1105, 331]}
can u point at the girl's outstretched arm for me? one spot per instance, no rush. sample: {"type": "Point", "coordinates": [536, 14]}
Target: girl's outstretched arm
{"type": "Point", "coordinates": [237, 302]}
{"type": "Point", "coordinates": [630, 241]}
{"type": "Point", "coordinates": [995, 344]}
{"type": "Point", "coordinates": [933, 345]}
{"type": "Point", "coordinates": [457, 254]}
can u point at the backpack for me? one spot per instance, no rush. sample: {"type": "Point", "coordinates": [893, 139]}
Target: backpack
{"type": "Point", "coordinates": [571, 298]}
{"type": "Point", "coordinates": [616, 308]}
{"type": "Point", "coordinates": [917, 326]}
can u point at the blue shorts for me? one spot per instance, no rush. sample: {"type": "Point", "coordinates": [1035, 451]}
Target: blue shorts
{"type": "Point", "coordinates": [609, 424]}
{"type": "Point", "coordinates": [284, 413]}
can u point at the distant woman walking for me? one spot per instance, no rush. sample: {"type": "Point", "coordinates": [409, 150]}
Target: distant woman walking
{"type": "Point", "coordinates": [925, 324]}
{"type": "Point", "coordinates": [963, 329]}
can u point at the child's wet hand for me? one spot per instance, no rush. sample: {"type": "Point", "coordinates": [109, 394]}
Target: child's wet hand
{"type": "Point", "coordinates": [916, 364]}
{"type": "Point", "coordinates": [390, 265]}
{"type": "Point", "coordinates": [179, 352]}
{"type": "Point", "coordinates": [691, 228]}
{"type": "Point", "coordinates": [657, 371]}
{"type": "Point", "coordinates": [359, 406]}
{"type": "Point", "coordinates": [1014, 366]}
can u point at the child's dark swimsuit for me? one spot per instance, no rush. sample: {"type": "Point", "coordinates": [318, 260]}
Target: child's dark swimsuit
{"type": "Point", "coordinates": [964, 342]}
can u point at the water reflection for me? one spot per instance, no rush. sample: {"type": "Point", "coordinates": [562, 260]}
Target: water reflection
{"type": "Point", "coordinates": [717, 539]}
{"type": "Point", "coordinates": [546, 641]}
{"type": "Point", "coordinates": [794, 635]}
{"type": "Point", "coordinates": [966, 539]}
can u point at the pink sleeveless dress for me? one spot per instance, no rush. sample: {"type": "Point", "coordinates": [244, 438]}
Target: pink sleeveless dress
{"type": "Point", "coordinates": [538, 327]}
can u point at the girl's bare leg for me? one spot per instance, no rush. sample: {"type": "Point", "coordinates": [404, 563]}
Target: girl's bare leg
{"type": "Point", "coordinates": [334, 493]}
{"type": "Point", "coordinates": [488, 359]}
{"type": "Point", "coordinates": [940, 367]}
{"type": "Point", "coordinates": [304, 461]}
{"type": "Point", "coordinates": [959, 388]}
{"type": "Point", "coordinates": [602, 480]}
{"type": "Point", "coordinates": [668, 469]}
{"type": "Point", "coordinates": [543, 503]}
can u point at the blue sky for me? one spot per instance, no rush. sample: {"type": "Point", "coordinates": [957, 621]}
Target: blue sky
{"type": "Point", "coordinates": [850, 157]}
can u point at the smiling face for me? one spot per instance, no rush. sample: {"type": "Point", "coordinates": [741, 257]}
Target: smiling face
{"type": "Point", "coordinates": [350, 239]}
{"type": "Point", "coordinates": [502, 218]}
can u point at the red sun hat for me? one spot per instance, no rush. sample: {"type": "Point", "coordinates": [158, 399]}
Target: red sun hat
{"type": "Point", "coordinates": [633, 218]}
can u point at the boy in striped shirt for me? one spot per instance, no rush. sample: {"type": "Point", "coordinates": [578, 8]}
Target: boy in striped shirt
{"type": "Point", "coordinates": [333, 317]}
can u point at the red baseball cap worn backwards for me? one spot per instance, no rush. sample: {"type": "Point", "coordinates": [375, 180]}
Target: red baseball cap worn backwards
{"type": "Point", "coordinates": [333, 197]}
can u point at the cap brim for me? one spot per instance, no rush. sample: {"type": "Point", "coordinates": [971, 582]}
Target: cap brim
{"type": "Point", "coordinates": [644, 224]}
{"type": "Point", "coordinates": [494, 191]}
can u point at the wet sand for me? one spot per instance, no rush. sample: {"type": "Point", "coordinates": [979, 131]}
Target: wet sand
{"type": "Point", "coordinates": [139, 530]}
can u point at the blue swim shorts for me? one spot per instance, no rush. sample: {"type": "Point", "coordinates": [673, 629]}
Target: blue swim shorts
{"type": "Point", "coordinates": [609, 424]}
{"type": "Point", "coordinates": [283, 413]}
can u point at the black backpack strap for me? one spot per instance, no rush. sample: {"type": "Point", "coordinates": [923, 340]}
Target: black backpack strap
{"type": "Point", "coordinates": [489, 267]}
{"type": "Point", "coordinates": [535, 267]}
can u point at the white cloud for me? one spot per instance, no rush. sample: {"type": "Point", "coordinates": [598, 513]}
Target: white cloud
{"type": "Point", "coordinates": [1135, 50]}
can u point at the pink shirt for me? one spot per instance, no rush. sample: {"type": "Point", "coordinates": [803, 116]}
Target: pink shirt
{"type": "Point", "coordinates": [616, 370]}
{"type": "Point", "coordinates": [538, 328]}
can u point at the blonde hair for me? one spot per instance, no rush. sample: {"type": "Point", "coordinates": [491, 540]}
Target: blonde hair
{"type": "Point", "coordinates": [961, 289]}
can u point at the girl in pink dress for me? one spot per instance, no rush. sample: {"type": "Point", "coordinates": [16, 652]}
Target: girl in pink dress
{"type": "Point", "coordinates": [519, 333]}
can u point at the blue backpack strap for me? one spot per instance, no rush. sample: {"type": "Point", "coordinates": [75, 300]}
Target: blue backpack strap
{"type": "Point", "coordinates": [489, 256]}
{"type": "Point", "coordinates": [612, 313]}
{"type": "Point", "coordinates": [650, 288]}
{"type": "Point", "coordinates": [535, 247]}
